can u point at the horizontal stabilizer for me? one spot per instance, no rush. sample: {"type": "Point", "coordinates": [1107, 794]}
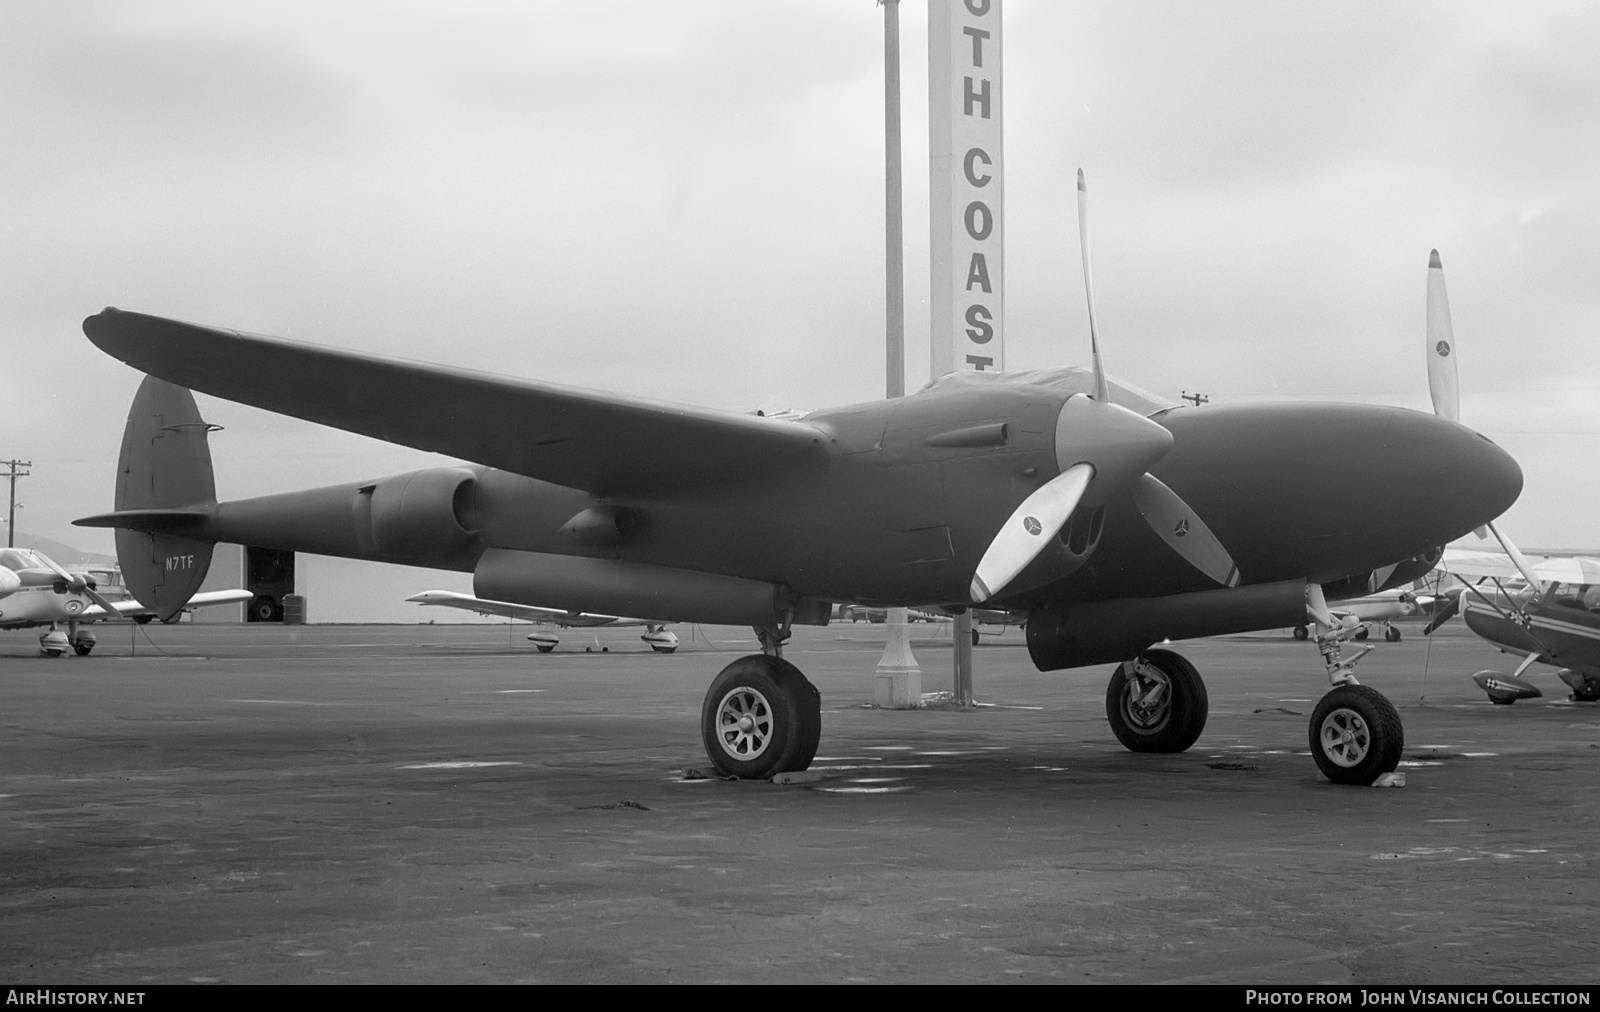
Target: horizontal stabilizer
{"type": "Point", "coordinates": [602, 443]}
{"type": "Point", "coordinates": [148, 521]}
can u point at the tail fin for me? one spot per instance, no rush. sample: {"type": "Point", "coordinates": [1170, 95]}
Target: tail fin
{"type": "Point", "coordinates": [165, 491]}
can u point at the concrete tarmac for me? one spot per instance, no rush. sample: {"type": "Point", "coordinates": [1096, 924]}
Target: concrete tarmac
{"type": "Point", "coordinates": [441, 803]}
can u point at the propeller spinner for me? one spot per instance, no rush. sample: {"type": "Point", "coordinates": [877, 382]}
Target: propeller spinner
{"type": "Point", "coordinates": [1101, 449]}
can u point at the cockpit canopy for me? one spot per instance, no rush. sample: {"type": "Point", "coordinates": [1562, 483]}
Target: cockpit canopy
{"type": "Point", "coordinates": [17, 559]}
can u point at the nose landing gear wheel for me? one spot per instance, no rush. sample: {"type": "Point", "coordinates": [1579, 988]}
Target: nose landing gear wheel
{"type": "Point", "coordinates": [761, 717]}
{"type": "Point", "coordinates": [1157, 703]}
{"type": "Point", "coordinates": [1356, 735]}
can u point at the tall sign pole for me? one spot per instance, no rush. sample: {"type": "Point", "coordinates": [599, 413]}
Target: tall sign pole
{"type": "Point", "coordinates": [13, 473]}
{"type": "Point", "coordinates": [898, 680]}
{"type": "Point", "coordinates": [966, 186]}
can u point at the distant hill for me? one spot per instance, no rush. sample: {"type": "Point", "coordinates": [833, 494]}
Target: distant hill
{"type": "Point", "coordinates": [66, 555]}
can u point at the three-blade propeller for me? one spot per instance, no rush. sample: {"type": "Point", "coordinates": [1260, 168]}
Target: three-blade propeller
{"type": "Point", "coordinates": [1101, 449]}
{"type": "Point", "coordinates": [1442, 385]}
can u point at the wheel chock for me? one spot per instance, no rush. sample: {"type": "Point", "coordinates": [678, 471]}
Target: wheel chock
{"type": "Point", "coordinates": [797, 777]}
{"type": "Point", "coordinates": [705, 773]}
{"type": "Point", "coordinates": [1390, 780]}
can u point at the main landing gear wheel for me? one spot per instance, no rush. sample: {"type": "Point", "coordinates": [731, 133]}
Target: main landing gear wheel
{"type": "Point", "coordinates": [1391, 635]}
{"type": "Point", "coordinates": [974, 637]}
{"type": "Point", "coordinates": [761, 717]}
{"type": "Point", "coordinates": [1356, 735]}
{"type": "Point", "coordinates": [1157, 703]}
{"type": "Point", "coordinates": [1301, 632]}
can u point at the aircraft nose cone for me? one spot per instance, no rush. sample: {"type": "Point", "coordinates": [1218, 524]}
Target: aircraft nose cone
{"type": "Point", "coordinates": [1495, 474]}
{"type": "Point", "coordinates": [1460, 477]}
{"type": "Point", "coordinates": [1323, 491]}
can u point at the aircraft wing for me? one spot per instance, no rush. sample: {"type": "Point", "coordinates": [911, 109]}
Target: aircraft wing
{"type": "Point", "coordinates": [133, 609]}
{"type": "Point", "coordinates": [1473, 565]}
{"type": "Point", "coordinates": [526, 612]}
{"type": "Point", "coordinates": [585, 439]}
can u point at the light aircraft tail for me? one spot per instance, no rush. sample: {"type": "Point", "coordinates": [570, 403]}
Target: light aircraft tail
{"type": "Point", "coordinates": [165, 490]}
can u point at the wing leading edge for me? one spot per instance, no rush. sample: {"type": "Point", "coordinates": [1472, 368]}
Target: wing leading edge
{"type": "Point", "coordinates": [585, 439]}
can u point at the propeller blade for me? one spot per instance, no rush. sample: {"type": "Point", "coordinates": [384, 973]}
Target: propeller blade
{"type": "Point", "coordinates": [1443, 615]}
{"type": "Point", "coordinates": [1030, 528]}
{"type": "Point", "coordinates": [1523, 566]}
{"type": "Point", "coordinates": [1100, 393]}
{"type": "Point", "coordinates": [1183, 530]}
{"type": "Point", "coordinates": [1442, 379]}
{"type": "Point", "coordinates": [80, 585]}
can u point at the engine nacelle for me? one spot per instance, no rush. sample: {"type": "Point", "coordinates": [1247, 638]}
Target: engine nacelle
{"type": "Point", "coordinates": [432, 508]}
{"type": "Point", "coordinates": [1101, 632]}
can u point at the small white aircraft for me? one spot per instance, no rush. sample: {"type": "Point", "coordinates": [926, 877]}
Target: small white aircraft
{"type": "Point", "coordinates": [43, 593]}
{"type": "Point", "coordinates": [1548, 616]}
{"type": "Point", "coordinates": [1362, 614]}
{"type": "Point", "coordinates": [656, 634]}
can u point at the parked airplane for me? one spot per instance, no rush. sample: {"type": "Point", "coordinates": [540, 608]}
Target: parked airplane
{"type": "Point", "coordinates": [49, 595]}
{"type": "Point", "coordinates": [1547, 618]}
{"type": "Point", "coordinates": [655, 634]}
{"type": "Point", "coordinates": [1361, 615]}
{"type": "Point", "coordinates": [1554, 621]}
{"type": "Point", "coordinates": [1058, 493]}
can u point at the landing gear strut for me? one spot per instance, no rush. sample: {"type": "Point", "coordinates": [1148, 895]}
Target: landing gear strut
{"type": "Point", "coordinates": [1156, 703]}
{"type": "Point", "coordinates": [1355, 733]}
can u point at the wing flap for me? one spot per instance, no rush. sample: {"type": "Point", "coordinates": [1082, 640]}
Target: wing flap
{"type": "Point", "coordinates": [602, 443]}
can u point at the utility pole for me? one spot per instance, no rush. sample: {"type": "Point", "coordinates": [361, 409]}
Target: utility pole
{"type": "Point", "coordinates": [898, 679]}
{"type": "Point", "coordinates": [1195, 399]}
{"type": "Point", "coordinates": [13, 473]}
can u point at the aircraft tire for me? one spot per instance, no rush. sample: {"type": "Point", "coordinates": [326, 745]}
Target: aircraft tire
{"type": "Point", "coordinates": [664, 650]}
{"type": "Point", "coordinates": [1391, 635]}
{"type": "Point", "coordinates": [143, 619]}
{"type": "Point", "coordinates": [1176, 721]}
{"type": "Point", "coordinates": [52, 653]}
{"type": "Point", "coordinates": [1360, 634]}
{"type": "Point", "coordinates": [974, 637]}
{"type": "Point", "coordinates": [1301, 632]}
{"type": "Point", "coordinates": [1356, 735]}
{"type": "Point", "coordinates": [545, 648]}
{"type": "Point", "coordinates": [82, 650]}
{"type": "Point", "coordinates": [761, 717]}
{"type": "Point", "coordinates": [265, 609]}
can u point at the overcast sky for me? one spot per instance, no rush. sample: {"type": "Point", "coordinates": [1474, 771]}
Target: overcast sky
{"type": "Point", "coordinates": [685, 201]}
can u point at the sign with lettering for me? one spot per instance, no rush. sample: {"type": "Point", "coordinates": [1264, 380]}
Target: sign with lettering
{"type": "Point", "coordinates": [966, 185]}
